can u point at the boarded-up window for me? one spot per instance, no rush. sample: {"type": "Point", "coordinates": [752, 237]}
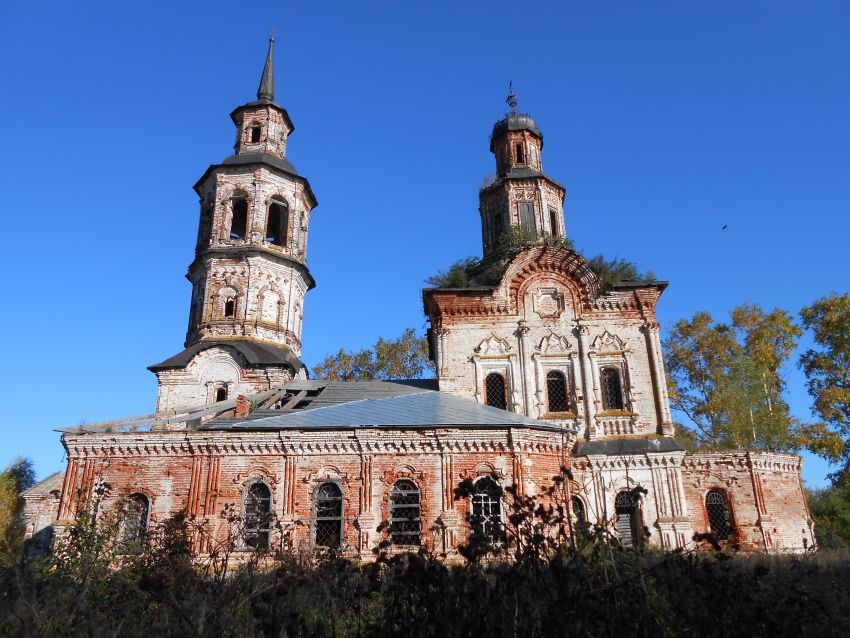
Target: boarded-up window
{"type": "Point", "coordinates": [556, 391]}
{"type": "Point", "coordinates": [495, 391]}
{"type": "Point", "coordinates": [527, 218]}
{"type": "Point", "coordinates": [628, 522]}
{"type": "Point", "coordinates": [239, 220]}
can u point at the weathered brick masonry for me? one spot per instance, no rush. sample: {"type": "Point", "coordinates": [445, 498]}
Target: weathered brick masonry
{"type": "Point", "coordinates": [538, 366]}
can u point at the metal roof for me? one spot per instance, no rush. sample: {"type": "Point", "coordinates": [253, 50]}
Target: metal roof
{"type": "Point", "coordinates": [418, 409]}
{"type": "Point", "coordinates": [255, 353]}
{"type": "Point", "coordinates": [618, 447]}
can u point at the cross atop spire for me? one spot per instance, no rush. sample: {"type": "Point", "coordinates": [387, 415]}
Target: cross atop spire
{"type": "Point", "coordinates": [266, 90]}
{"type": "Point", "coordinates": [511, 100]}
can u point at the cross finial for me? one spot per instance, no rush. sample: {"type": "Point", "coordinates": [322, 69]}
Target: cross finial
{"type": "Point", "coordinates": [271, 37]}
{"type": "Point", "coordinates": [511, 97]}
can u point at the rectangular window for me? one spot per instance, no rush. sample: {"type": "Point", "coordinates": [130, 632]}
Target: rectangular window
{"type": "Point", "coordinates": [553, 223]}
{"type": "Point", "coordinates": [527, 218]}
{"type": "Point", "coordinates": [239, 222]}
{"type": "Point", "coordinates": [520, 156]}
{"type": "Point", "coordinates": [497, 228]}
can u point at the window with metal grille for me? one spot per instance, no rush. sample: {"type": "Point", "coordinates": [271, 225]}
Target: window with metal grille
{"type": "Point", "coordinates": [527, 218]}
{"type": "Point", "coordinates": [256, 129]}
{"type": "Point", "coordinates": [627, 523]}
{"type": "Point", "coordinates": [405, 523]}
{"type": "Point", "coordinates": [719, 517]}
{"type": "Point", "coordinates": [486, 516]}
{"type": "Point", "coordinates": [133, 526]}
{"type": "Point", "coordinates": [612, 389]}
{"type": "Point", "coordinates": [257, 517]}
{"type": "Point", "coordinates": [556, 391]}
{"type": "Point", "coordinates": [239, 220]}
{"type": "Point", "coordinates": [277, 223]}
{"type": "Point", "coordinates": [578, 509]}
{"type": "Point", "coordinates": [495, 391]}
{"type": "Point", "coordinates": [327, 524]}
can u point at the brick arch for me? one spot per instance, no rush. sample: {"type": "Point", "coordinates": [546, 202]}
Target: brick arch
{"type": "Point", "coordinates": [567, 266]}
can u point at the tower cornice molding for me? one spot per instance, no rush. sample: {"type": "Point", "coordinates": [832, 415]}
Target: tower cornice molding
{"type": "Point", "coordinates": [238, 251]}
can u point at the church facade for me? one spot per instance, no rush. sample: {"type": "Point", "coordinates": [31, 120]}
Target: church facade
{"type": "Point", "coordinates": [540, 368]}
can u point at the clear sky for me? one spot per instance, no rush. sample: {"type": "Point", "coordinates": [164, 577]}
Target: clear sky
{"type": "Point", "coordinates": [665, 121]}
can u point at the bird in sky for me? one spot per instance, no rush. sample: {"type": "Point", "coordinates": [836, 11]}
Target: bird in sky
{"type": "Point", "coordinates": [724, 226]}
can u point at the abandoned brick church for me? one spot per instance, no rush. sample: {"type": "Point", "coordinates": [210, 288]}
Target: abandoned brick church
{"type": "Point", "coordinates": [544, 368]}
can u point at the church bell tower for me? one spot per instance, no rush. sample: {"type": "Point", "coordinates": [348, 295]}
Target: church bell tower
{"type": "Point", "coordinates": [250, 274]}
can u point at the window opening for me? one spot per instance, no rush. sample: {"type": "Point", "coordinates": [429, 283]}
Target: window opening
{"type": "Point", "coordinates": [255, 133]}
{"type": "Point", "coordinates": [553, 223]}
{"type": "Point", "coordinates": [495, 391]}
{"type": "Point", "coordinates": [612, 389]}
{"type": "Point", "coordinates": [405, 524]}
{"type": "Point", "coordinates": [497, 227]}
{"type": "Point", "coordinates": [134, 522]}
{"type": "Point", "coordinates": [625, 506]}
{"type": "Point", "coordinates": [719, 519]}
{"type": "Point", "coordinates": [230, 308]}
{"type": "Point", "coordinates": [556, 391]}
{"type": "Point", "coordinates": [258, 508]}
{"type": "Point", "coordinates": [221, 394]}
{"type": "Point", "coordinates": [486, 517]}
{"type": "Point", "coordinates": [520, 156]}
{"type": "Point", "coordinates": [328, 521]}
{"type": "Point", "coordinates": [239, 220]}
{"type": "Point", "coordinates": [578, 510]}
{"type": "Point", "coordinates": [527, 218]}
{"type": "Point", "coordinates": [277, 223]}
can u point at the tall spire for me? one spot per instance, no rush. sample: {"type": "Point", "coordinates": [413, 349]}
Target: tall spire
{"type": "Point", "coordinates": [266, 90]}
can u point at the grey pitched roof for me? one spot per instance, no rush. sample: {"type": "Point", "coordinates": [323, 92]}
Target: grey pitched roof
{"type": "Point", "coordinates": [419, 409]}
{"type": "Point", "coordinates": [48, 484]}
{"type": "Point", "coordinates": [618, 447]}
{"type": "Point", "coordinates": [255, 353]}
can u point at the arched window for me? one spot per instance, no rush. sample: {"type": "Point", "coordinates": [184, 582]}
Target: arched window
{"type": "Point", "coordinates": [719, 516]}
{"type": "Point", "coordinates": [628, 521]}
{"type": "Point", "coordinates": [133, 524]}
{"type": "Point", "coordinates": [258, 514]}
{"type": "Point", "coordinates": [405, 524]}
{"type": "Point", "coordinates": [239, 219]}
{"type": "Point", "coordinates": [556, 391]}
{"type": "Point", "coordinates": [495, 391]}
{"type": "Point", "coordinates": [221, 394]}
{"type": "Point", "coordinates": [229, 307]}
{"type": "Point", "coordinates": [612, 389]}
{"type": "Point", "coordinates": [578, 510]}
{"type": "Point", "coordinates": [277, 223]}
{"type": "Point", "coordinates": [256, 131]}
{"type": "Point", "coordinates": [327, 528]}
{"type": "Point", "coordinates": [486, 516]}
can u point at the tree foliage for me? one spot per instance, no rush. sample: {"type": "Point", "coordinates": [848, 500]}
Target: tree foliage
{"type": "Point", "coordinates": [403, 358]}
{"type": "Point", "coordinates": [615, 271]}
{"type": "Point", "coordinates": [729, 379]}
{"type": "Point", "coordinates": [830, 511]}
{"type": "Point", "coordinates": [16, 478]}
{"type": "Point", "coordinates": [827, 368]}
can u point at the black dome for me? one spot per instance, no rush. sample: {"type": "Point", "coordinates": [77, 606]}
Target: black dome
{"type": "Point", "coordinates": [516, 122]}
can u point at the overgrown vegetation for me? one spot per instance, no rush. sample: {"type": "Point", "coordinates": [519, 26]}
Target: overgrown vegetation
{"type": "Point", "coordinates": [562, 579]}
{"type": "Point", "coordinates": [471, 272]}
{"type": "Point", "coordinates": [16, 478]}
{"type": "Point", "coordinates": [403, 358]}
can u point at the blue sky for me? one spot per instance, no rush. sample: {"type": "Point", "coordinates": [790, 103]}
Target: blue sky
{"type": "Point", "coordinates": [665, 121]}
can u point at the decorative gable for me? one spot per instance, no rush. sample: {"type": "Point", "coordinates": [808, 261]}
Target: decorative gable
{"type": "Point", "coordinates": [493, 346]}
{"type": "Point", "coordinates": [607, 342]}
{"type": "Point", "coordinates": [554, 344]}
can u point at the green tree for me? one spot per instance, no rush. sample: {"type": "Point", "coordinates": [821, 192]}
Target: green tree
{"type": "Point", "coordinates": [827, 368]}
{"type": "Point", "coordinates": [403, 358]}
{"type": "Point", "coordinates": [830, 510]}
{"type": "Point", "coordinates": [728, 379]}
{"type": "Point", "coordinates": [16, 478]}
